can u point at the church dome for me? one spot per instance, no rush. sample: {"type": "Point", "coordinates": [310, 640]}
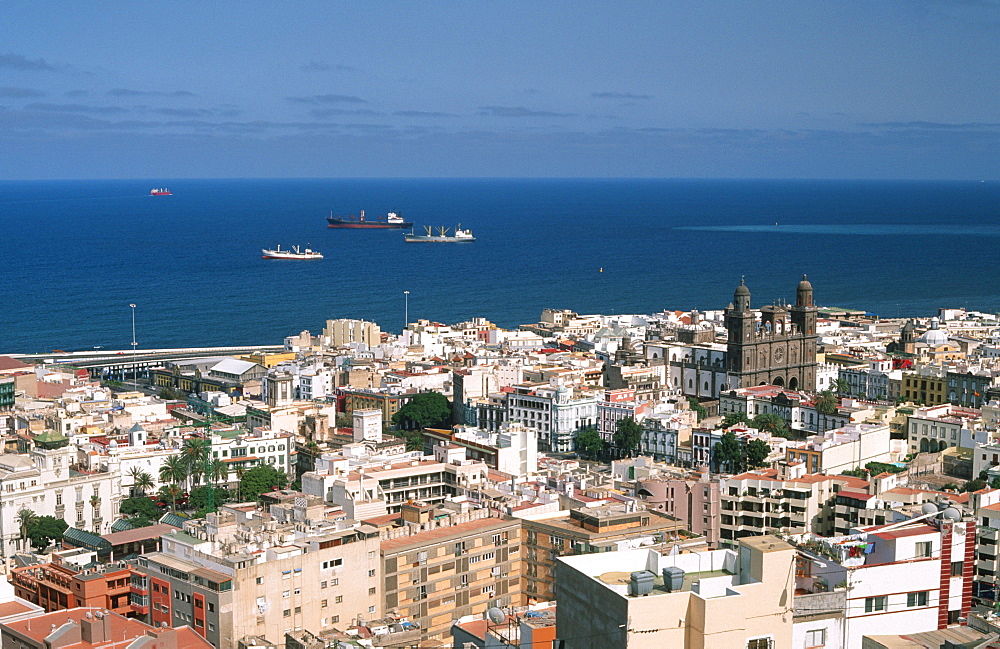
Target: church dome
{"type": "Point", "coordinates": [934, 336]}
{"type": "Point", "coordinates": [742, 289]}
{"type": "Point", "coordinates": [804, 285]}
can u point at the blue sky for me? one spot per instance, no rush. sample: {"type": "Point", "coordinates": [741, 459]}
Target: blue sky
{"type": "Point", "coordinates": [519, 89]}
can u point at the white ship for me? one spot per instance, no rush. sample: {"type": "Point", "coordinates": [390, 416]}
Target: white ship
{"type": "Point", "coordinates": [294, 253]}
{"type": "Point", "coordinates": [442, 235]}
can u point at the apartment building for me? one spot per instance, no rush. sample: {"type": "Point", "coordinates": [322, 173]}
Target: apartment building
{"type": "Point", "coordinates": [72, 579]}
{"type": "Point", "coordinates": [234, 576]}
{"type": "Point", "coordinates": [838, 450]}
{"type": "Point", "coordinates": [371, 486]}
{"type": "Point", "coordinates": [696, 501]}
{"type": "Point", "coordinates": [584, 530]}
{"type": "Point", "coordinates": [723, 599]}
{"type": "Point", "coordinates": [556, 412]}
{"type": "Point", "coordinates": [907, 577]}
{"type": "Point", "coordinates": [241, 449]}
{"type": "Point", "coordinates": [760, 502]}
{"type": "Point", "coordinates": [439, 566]}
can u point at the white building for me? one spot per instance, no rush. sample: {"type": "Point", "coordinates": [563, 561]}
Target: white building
{"type": "Point", "coordinates": [43, 482]}
{"type": "Point", "coordinates": [903, 578]}
{"type": "Point", "coordinates": [556, 412]}
{"type": "Point", "coordinates": [850, 447]}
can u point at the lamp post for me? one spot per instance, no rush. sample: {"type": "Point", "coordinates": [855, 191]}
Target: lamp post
{"type": "Point", "coordinates": [134, 384]}
{"type": "Point", "coordinates": [406, 309]}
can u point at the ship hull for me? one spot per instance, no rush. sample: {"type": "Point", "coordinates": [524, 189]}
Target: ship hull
{"type": "Point", "coordinates": [366, 225]}
{"type": "Point", "coordinates": [419, 239]}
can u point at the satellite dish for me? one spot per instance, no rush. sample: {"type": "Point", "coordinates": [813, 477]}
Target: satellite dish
{"type": "Point", "coordinates": [496, 615]}
{"type": "Point", "coordinates": [928, 508]}
{"type": "Point", "coordinates": [951, 514]}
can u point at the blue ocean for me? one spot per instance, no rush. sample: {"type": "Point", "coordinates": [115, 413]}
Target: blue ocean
{"type": "Point", "coordinates": [77, 253]}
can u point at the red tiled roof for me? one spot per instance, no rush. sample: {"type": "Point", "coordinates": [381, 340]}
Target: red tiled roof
{"type": "Point", "coordinates": [8, 363]}
{"type": "Point", "coordinates": [856, 495]}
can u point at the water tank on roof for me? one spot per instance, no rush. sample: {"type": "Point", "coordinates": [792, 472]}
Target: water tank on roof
{"type": "Point", "coordinates": [641, 583]}
{"type": "Point", "coordinates": [673, 579]}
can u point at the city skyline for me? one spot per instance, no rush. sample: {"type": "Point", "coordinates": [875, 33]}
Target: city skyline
{"type": "Point", "coordinates": [855, 90]}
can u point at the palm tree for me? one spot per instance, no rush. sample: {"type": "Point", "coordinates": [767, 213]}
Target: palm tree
{"type": "Point", "coordinates": [218, 472]}
{"type": "Point", "coordinates": [144, 483]}
{"type": "Point", "coordinates": [173, 470]}
{"type": "Point", "coordinates": [26, 519]}
{"type": "Point", "coordinates": [840, 386]}
{"type": "Point", "coordinates": [239, 483]}
{"type": "Point", "coordinates": [173, 492]}
{"type": "Point", "coordinates": [141, 481]}
{"type": "Point", "coordinates": [196, 451]}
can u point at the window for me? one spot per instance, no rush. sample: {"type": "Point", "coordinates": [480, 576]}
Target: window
{"type": "Point", "coordinates": [211, 607]}
{"type": "Point", "coordinates": [816, 638]}
{"type": "Point", "coordinates": [322, 584]}
{"type": "Point", "coordinates": [334, 619]}
{"type": "Point", "coordinates": [916, 599]}
{"type": "Point", "coordinates": [371, 609]}
{"type": "Point", "coordinates": [285, 594]}
{"type": "Point", "coordinates": [954, 617]}
{"type": "Point", "coordinates": [287, 612]}
{"type": "Point", "coordinates": [286, 574]}
{"type": "Point", "coordinates": [298, 591]}
{"type": "Point", "coordinates": [332, 563]}
{"type": "Point", "coordinates": [760, 643]}
{"type": "Point", "coordinates": [371, 573]}
{"type": "Point", "coordinates": [339, 599]}
{"type": "Point", "coordinates": [371, 591]}
{"type": "Point", "coordinates": [923, 549]}
{"type": "Point", "coordinates": [956, 568]}
{"type": "Point", "coordinates": [334, 582]}
{"type": "Point", "coordinates": [322, 603]}
{"type": "Point", "coordinates": [298, 609]}
{"type": "Point", "coordinates": [874, 604]}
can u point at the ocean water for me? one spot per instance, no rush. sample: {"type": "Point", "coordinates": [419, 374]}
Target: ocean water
{"type": "Point", "coordinates": [76, 253]}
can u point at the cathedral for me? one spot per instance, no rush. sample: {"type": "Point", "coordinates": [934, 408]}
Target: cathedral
{"type": "Point", "coordinates": [779, 349]}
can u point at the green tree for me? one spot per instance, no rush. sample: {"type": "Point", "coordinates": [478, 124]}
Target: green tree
{"type": "Point", "coordinates": [826, 402]}
{"type": "Point", "coordinates": [218, 472]}
{"type": "Point", "coordinates": [771, 423]}
{"type": "Point", "coordinates": [139, 511]}
{"type": "Point", "coordinates": [25, 520]}
{"type": "Point", "coordinates": [425, 410]}
{"type": "Point", "coordinates": [196, 452]}
{"type": "Point", "coordinates": [173, 470]}
{"type": "Point", "coordinates": [757, 452]}
{"type": "Point", "coordinates": [141, 481]}
{"type": "Point", "coordinates": [728, 453]}
{"type": "Point", "coordinates": [45, 530]}
{"type": "Point", "coordinates": [841, 387]}
{"type": "Point", "coordinates": [698, 409]}
{"type": "Point", "coordinates": [199, 497]}
{"type": "Point", "coordinates": [735, 418]}
{"type": "Point", "coordinates": [171, 492]}
{"type": "Point", "coordinates": [261, 479]}
{"type": "Point", "coordinates": [589, 443]}
{"type": "Point", "coordinates": [628, 436]}
{"type": "Point", "coordinates": [857, 473]}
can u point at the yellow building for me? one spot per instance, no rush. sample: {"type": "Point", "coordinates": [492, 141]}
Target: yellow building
{"type": "Point", "coordinates": [925, 390]}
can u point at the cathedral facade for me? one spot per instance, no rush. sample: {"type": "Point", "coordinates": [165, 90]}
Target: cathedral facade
{"type": "Point", "coordinates": [779, 349]}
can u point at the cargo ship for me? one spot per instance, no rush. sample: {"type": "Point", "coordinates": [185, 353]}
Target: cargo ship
{"type": "Point", "coordinates": [442, 235]}
{"type": "Point", "coordinates": [390, 220]}
{"type": "Point", "coordinates": [294, 253]}
{"type": "Point", "coordinates": [159, 191]}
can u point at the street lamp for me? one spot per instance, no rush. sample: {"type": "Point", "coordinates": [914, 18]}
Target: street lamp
{"type": "Point", "coordinates": [134, 383]}
{"type": "Point", "coordinates": [406, 309]}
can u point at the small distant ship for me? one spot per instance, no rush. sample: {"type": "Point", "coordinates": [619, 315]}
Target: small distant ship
{"type": "Point", "coordinates": [294, 253]}
{"type": "Point", "coordinates": [442, 235]}
{"type": "Point", "coordinates": [160, 191]}
{"type": "Point", "coordinates": [390, 220]}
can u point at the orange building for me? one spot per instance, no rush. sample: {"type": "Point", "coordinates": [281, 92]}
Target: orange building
{"type": "Point", "coordinates": [74, 579]}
